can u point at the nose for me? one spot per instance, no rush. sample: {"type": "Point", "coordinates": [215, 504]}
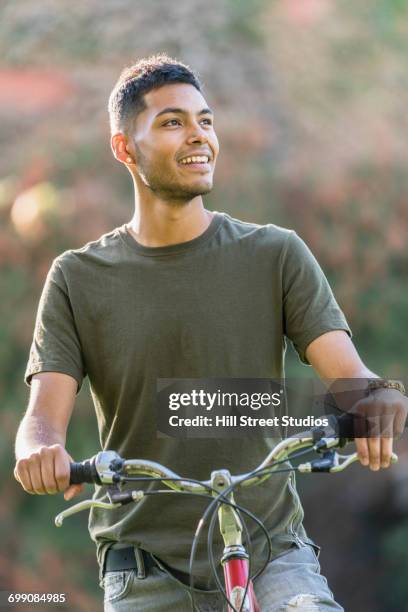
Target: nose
{"type": "Point", "coordinates": [197, 134]}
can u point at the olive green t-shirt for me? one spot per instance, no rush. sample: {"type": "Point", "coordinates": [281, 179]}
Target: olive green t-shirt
{"type": "Point", "coordinates": [218, 306]}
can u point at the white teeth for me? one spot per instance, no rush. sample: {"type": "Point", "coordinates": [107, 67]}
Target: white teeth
{"type": "Point", "coordinates": [201, 159]}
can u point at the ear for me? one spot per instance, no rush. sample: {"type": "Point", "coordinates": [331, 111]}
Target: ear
{"type": "Point", "coordinates": [119, 149]}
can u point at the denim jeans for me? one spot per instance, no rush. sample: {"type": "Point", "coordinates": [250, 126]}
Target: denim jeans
{"type": "Point", "coordinates": [290, 582]}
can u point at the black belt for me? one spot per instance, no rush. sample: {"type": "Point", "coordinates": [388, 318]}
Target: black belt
{"type": "Point", "coordinates": [120, 559]}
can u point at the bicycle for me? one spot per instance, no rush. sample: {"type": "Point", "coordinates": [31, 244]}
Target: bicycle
{"type": "Point", "coordinates": [108, 468]}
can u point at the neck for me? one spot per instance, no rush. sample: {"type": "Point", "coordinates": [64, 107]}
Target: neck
{"type": "Point", "coordinates": [161, 223]}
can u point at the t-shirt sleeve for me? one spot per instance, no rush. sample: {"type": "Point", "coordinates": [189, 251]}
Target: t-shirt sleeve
{"type": "Point", "coordinates": [56, 346]}
{"type": "Point", "coordinates": [309, 306]}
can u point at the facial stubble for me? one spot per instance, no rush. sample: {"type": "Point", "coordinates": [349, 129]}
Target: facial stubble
{"type": "Point", "coordinates": [165, 184]}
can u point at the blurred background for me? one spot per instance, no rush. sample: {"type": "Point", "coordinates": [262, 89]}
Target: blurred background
{"type": "Point", "coordinates": [310, 99]}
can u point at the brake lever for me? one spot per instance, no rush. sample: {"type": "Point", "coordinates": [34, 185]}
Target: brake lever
{"type": "Point", "coordinates": [116, 499]}
{"type": "Point", "coordinates": [83, 505]}
{"type": "Point", "coordinates": [331, 462]}
{"type": "Point", "coordinates": [349, 459]}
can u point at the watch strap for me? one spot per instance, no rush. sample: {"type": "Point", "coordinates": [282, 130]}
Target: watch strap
{"type": "Point", "coordinates": [381, 383]}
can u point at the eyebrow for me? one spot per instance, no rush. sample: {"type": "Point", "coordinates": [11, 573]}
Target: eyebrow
{"type": "Point", "coordinates": [181, 111]}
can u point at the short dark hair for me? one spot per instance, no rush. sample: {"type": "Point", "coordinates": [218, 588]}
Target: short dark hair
{"type": "Point", "coordinates": [127, 97]}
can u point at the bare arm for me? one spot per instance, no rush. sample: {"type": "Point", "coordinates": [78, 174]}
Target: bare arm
{"type": "Point", "coordinates": [334, 356]}
{"type": "Point", "coordinates": [42, 462]}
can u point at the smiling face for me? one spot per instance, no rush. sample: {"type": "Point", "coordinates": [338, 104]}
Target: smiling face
{"type": "Point", "coordinates": [174, 143]}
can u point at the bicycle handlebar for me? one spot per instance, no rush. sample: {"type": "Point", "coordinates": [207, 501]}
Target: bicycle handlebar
{"type": "Point", "coordinates": [108, 468]}
{"type": "Point", "coordinates": [103, 468]}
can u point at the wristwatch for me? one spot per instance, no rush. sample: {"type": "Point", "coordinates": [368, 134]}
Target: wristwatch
{"type": "Point", "coordinates": [381, 383]}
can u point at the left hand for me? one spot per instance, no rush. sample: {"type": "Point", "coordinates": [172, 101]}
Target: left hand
{"type": "Point", "coordinates": [386, 411]}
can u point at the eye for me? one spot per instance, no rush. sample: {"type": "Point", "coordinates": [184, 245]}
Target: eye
{"type": "Point", "coordinates": [171, 122]}
{"type": "Point", "coordinates": [207, 121]}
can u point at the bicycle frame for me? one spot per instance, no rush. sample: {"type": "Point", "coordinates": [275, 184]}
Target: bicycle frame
{"type": "Point", "coordinates": [236, 579]}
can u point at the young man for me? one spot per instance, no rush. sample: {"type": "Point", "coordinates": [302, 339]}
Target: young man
{"type": "Point", "coordinates": [180, 292]}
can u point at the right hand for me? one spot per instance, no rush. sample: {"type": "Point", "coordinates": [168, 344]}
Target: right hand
{"type": "Point", "coordinates": [46, 470]}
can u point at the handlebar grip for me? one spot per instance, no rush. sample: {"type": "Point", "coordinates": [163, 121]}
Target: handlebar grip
{"type": "Point", "coordinates": [349, 426]}
{"type": "Point", "coordinates": [345, 426]}
{"type": "Point", "coordinates": [84, 472]}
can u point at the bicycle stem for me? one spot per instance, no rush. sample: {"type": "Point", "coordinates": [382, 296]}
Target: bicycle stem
{"type": "Point", "coordinates": [229, 521]}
